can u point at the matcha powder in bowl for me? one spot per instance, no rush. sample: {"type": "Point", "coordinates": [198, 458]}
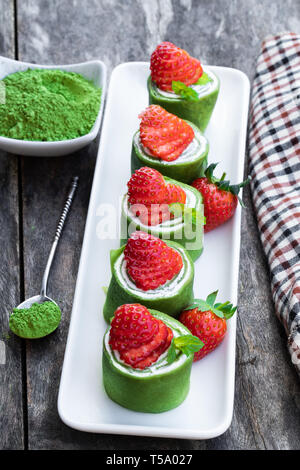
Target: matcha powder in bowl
{"type": "Point", "coordinates": [48, 105]}
{"type": "Point", "coordinates": [35, 322]}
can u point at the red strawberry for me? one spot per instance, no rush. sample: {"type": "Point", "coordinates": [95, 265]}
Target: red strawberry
{"type": "Point", "coordinates": [158, 352]}
{"type": "Point", "coordinates": [175, 194]}
{"type": "Point", "coordinates": [219, 197]}
{"type": "Point", "coordinates": [207, 321]}
{"type": "Point", "coordinates": [139, 337]}
{"type": "Point", "coordinates": [165, 135]}
{"type": "Point", "coordinates": [150, 262]}
{"type": "Point", "coordinates": [149, 196]}
{"type": "Point", "coordinates": [170, 63]}
{"type": "Point", "coordinates": [147, 186]}
{"type": "Point", "coordinates": [132, 322]}
{"type": "Point", "coordinates": [136, 354]}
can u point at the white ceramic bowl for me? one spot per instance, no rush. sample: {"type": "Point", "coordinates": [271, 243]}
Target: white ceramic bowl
{"type": "Point", "coordinates": [94, 70]}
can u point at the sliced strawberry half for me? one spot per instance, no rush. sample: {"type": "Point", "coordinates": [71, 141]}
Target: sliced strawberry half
{"type": "Point", "coordinates": [170, 63]}
{"type": "Point", "coordinates": [157, 353]}
{"type": "Point", "coordinates": [165, 135]}
{"type": "Point", "coordinates": [175, 194]}
{"type": "Point", "coordinates": [134, 355]}
{"type": "Point", "coordinates": [147, 186]}
{"type": "Point", "coordinates": [149, 196]}
{"type": "Point", "coordinates": [131, 326]}
{"type": "Point", "coordinates": [150, 262]}
{"type": "Point", "coordinates": [143, 337]}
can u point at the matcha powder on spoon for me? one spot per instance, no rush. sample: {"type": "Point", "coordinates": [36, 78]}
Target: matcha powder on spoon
{"type": "Point", "coordinates": [48, 105]}
{"type": "Point", "coordinates": [35, 322]}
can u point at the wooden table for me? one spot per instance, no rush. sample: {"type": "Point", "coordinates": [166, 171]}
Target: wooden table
{"type": "Point", "coordinates": [32, 192]}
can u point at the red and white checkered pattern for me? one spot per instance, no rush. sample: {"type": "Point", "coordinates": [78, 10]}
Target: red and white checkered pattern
{"type": "Point", "coordinates": [274, 152]}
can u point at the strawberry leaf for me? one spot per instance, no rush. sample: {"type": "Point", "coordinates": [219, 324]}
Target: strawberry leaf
{"type": "Point", "coordinates": [217, 312]}
{"type": "Point", "coordinates": [184, 91]}
{"type": "Point", "coordinates": [230, 313]}
{"type": "Point", "coordinates": [221, 310]}
{"type": "Point", "coordinates": [202, 305]}
{"type": "Point", "coordinates": [211, 298]}
{"type": "Point", "coordinates": [191, 306]}
{"type": "Point", "coordinates": [204, 79]}
{"type": "Point", "coordinates": [225, 185]}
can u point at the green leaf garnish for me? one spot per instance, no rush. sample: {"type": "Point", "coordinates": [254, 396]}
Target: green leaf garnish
{"type": "Point", "coordinates": [222, 310]}
{"type": "Point", "coordinates": [211, 298]}
{"type": "Point", "coordinates": [171, 353]}
{"type": "Point", "coordinates": [187, 344]}
{"type": "Point", "coordinates": [204, 79]}
{"type": "Point", "coordinates": [105, 289]}
{"type": "Point", "coordinates": [176, 208]}
{"type": "Point", "coordinates": [179, 209]}
{"type": "Point", "coordinates": [186, 92]}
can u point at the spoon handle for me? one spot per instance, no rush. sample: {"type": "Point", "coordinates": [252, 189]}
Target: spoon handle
{"type": "Point", "coordinates": [66, 209]}
{"type": "Point", "coordinates": [58, 233]}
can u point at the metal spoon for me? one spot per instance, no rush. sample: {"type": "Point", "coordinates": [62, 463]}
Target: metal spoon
{"type": "Point", "coordinates": [43, 294]}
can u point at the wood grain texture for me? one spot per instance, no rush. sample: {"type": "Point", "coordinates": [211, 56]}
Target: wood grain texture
{"type": "Point", "coordinates": [267, 402]}
{"type": "Point", "coordinates": [11, 404]}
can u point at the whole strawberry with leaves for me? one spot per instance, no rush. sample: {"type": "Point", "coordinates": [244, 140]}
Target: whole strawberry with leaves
{"type": "Point", "coordinates": [207, 320]}
{"type": "Point", "coordinates": [220, 198]}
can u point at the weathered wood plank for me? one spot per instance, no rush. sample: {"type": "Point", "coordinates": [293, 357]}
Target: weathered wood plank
{"type": "Point", "coordinates": [11, 403]}
{"type": "Point", "coordinates": [267, 406]}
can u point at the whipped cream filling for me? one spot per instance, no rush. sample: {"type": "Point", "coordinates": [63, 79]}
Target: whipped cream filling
{"type": "Point", "coordinates": [190, 153]}
{"type": "Point", "coordinates": [174, 224]}
{"type": "Point", "coordinates": [167, 289]}
{"type": "Point", "coordinates": [202, 90]}
{"type": "Point", "coordinates": [158, 367]}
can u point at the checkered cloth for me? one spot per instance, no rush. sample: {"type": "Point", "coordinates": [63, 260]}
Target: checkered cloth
{"type": "Point", "coordinates": [274, 151]}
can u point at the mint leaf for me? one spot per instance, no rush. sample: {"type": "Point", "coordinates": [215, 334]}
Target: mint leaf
{"type": "Point", "coordinates": [188, 344]}
{"type": "Point", "coordinates": [184, 91]}
{"type": "Point", "coordinates": [204, 79]}
{"type": "Point", "coordinates": [171, 353]}
{"type": "Point", "coordinates": [196, 216]}
{"type": "Point", "coordinates": [178, 209]}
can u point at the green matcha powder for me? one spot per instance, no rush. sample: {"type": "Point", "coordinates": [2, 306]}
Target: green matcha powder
{"type": "Point", "coordinates": [48, 105]}
{"type": "Point", "coordinates": [35, 322]}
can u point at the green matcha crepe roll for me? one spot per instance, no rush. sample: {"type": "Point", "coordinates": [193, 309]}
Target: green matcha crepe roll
{"type": "Point", "coordinates": [165, 208]}
{"type": "Point", "coordinates": [179, 84]}
{"type": "Point", "coordinates": [147, 359]}
{"type": "Point", "coordinates": [171, 145]}
{"type": "Point", "coordinates": [159, 274]}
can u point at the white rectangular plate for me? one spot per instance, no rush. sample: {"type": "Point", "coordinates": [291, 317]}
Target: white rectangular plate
{"type": "Point", "coordinates": [82, 402]}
